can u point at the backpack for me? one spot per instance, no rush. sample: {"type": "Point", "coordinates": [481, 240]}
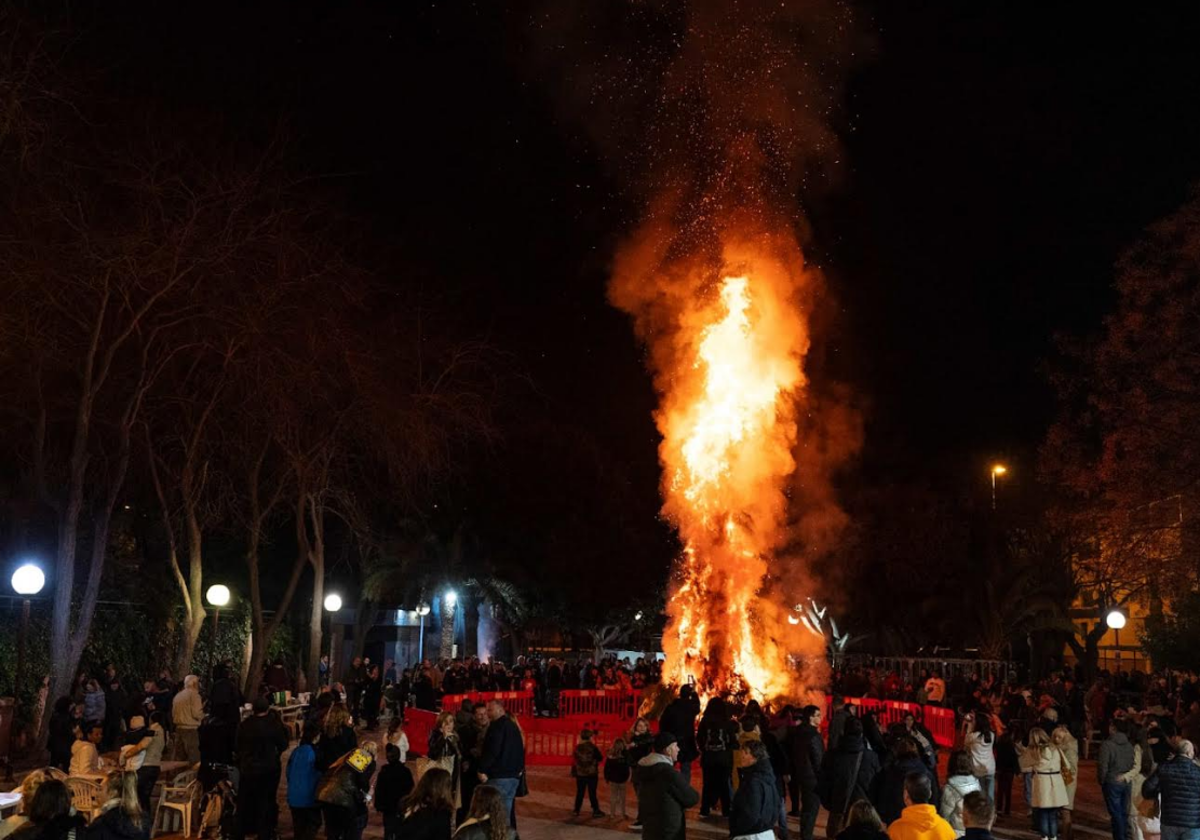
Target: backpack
{"type": "Point", "coordinates": [715, 740]}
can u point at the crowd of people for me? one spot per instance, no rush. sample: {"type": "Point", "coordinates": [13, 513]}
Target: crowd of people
{"type": "Point", "coordinates": [870, 777]}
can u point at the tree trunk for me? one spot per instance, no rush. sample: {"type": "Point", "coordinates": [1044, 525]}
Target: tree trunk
{"type": "Point", "coordinates": [317, 561]}
{"type": "Point", "coordinates": [447, 650]}
{"type": "Point", "coordinates": [195, 596]}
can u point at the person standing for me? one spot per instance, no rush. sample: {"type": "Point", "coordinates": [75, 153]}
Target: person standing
{"type": "Point", "coordinates": [1068, 747]}
{"type": "Point", "coordinates": [807, 753]}
{"type": "Point", "coordinates": [616, 773]}
{"type": "Point", "coordinates": [394, 783]}
{"type": "Point", "coordinates": [757, 803]}
{"type": "Point", "coordinates": [1177, 781]}
{"type": "Point", "coordinates": [1049, 791]}
{"type": "Point", "coordinates": [1112, 765]}
{"type": "Point", "coordinates": [980, 744]}
{"type": "Point", "coordinates": [935, 691]}
{"type": "Point", "coordinates": [445, 751]}
{"type": "Point", "coordinates": [665, 795]}
{"type": "Point", "coordinates": [502, 759]}
{"type": "Point", "coordinates": [62, 734]}
{"type": "Point", "coordinates": [848, 775]}
{"type": "Point", "coordinates": [262, 740]}
{"type": "Point", "coordinates": [585, 768]}
{"type": "Point", "coordinates": [355, 680]}
{"type": "Point", "coordinates": [302, 780]}
{"type": "Point", "coordinates": [717, 736]}
{"type": "Point", "coordinates": [187, 713]}
{"type": "Point", "coordinates": [961, 783]}
{"type": "Point", "coordinates": [679, 718]}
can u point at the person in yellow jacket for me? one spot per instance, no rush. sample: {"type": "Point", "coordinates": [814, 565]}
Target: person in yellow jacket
{"type": "Point", "coordinates": [919, 820]}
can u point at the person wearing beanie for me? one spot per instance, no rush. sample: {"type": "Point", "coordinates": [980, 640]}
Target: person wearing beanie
{"type": "Point", "coordinates": [665, 794]}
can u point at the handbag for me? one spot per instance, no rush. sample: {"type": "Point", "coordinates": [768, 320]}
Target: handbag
{"type": "Point", "coordinates": [522, 786]}
{"type": "Point", "coordinates": [1068, 773]}
{"type": "Point", "coordinates": [334, 788]}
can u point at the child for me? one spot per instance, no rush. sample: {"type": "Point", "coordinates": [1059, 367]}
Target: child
{"type": "Point", "coordinates": [302, 779]}
{"type": "Point", "coordinates": [616, 773]}
{"type": "Point", "coordinates": [397, 738]}
{"type": "Point", "coordinates": [394, 783]}
{"type": "Point", "coordinates": [585, 767]}
{"type": "Point", "coordinates": [1008, 765]}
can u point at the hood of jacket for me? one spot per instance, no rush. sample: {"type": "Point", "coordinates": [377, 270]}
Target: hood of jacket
{"type": "Point", "coordinates": [116, 823]}
{"type": "Point", "coordinates": [1119, 738]}
{"type": "Point", "coordinates": [920, 818]}
{"type": "Point", "coordinates": [963, 784]}
{"type": "Point", "coordinates": [655, 758]}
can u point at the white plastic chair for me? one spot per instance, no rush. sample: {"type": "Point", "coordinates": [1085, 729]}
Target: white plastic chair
{"type": "Point", "coordinates": [87, 795]}
{"type": "Point", "coordinates": [179, 798]}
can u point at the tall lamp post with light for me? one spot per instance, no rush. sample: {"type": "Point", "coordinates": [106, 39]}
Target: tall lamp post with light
{"type": "Point", "coordinates": [422, 610]}
{"type": "Point", "coordinates": [1115, 621]}
{"type": "Point", "coordinates": [997, 471]}
{"type": "Point", "coordinates": [217, 596]}
{"type": "Point", "coordinates": [333, 603]}
{"type": "Point", "coordinates": [27, 581]}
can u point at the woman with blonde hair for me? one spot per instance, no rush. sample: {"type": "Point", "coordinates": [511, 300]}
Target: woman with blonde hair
{"type": "Point", "coordinates": [1049, 790]}
{"type": "Point", "coordinates": [445, 752]}
{"type": "Point", "coordinates": [29, 786]}
{"type": "Point", "coordinates": [122, 817]}
{"type": "Point", "coordinates": [337, 736]}
{"type": "Point", "coordinates": [863, 823]}
{"type": "Point", "coordinates": [1068, 747]}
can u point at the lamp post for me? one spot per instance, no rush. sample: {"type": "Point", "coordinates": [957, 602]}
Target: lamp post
{"type": "Point", "coordinates": [27, 580]}
{"type": "Point", "coordinates": [217, 597]}
{"type": "Point", "coordinates": [997, 470]}
{"type": "Point", "coordinates": [1115, 621]}
{"type": "Point", "coordinates": [422, 610]}
{"type": "Point", "coordinates": [333, 603]}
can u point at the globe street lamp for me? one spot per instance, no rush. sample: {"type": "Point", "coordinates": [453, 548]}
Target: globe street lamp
{"type": "Point", "coordinates": [217, 596]}
{"type": "Point", "coordinates": [422, 610]}
{"type": "Point", "coordinates": [1115, 621]}
{"type": "Point", "coordinates": [333, 603]}
{"type": "Point", "coordinates": [27, 580]}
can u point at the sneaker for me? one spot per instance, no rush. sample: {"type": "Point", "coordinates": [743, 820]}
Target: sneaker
{"type": "Point", "coordinates": [598, 814]}
{"type": "Point", "coordinates": [636, 825]}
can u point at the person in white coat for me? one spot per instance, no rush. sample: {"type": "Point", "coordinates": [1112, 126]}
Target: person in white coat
{"type": "Point", "coordinates": [980, 744]}
{"type": "Point", "coordinates": [1049, 792]}
{"type": "Point", "coordinates": [961, 782]}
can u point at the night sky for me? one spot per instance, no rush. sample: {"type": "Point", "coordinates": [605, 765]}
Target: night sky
{"type": "Point", "coordinates": [998, 157]}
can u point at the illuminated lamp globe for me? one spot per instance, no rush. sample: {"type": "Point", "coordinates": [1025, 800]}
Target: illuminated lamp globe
{"type": "Point", "coordinates": [451, 598]}
{"type": "Point", "coordinates": [217, 595]}
{"type": "Point", "coordinates": [1115, 620]}
{"type": "Point", "coordinates": [423, 609]}
{"type": "Point", "coordinates": [333, 602]}
{"type": "Point", "coordinates": [28, 579]}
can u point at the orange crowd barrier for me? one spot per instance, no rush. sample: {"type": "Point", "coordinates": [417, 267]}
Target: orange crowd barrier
{"type": "Point", "coordinates": [517, 702]}
{"type": "Point", "coordinates": [939, 721]}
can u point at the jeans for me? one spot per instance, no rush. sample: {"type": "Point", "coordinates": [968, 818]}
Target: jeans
{"type": "Point", "coordinates": [616, 799]}
{"type": "Point", "coordinates": [1116, 799]}
{"type": "Point", "coordinates": [146, 777]}
{"type": "Point", "coordinates": [1046, 821]}
{"type": "Point", "coordinates": [588, 784]}
{"type": "Point", "coordinates": [1170, 832]}
{"type": "Point", "coordinates": [988, 785]}
{"type": "Point", "coordinates": [685, 769]}
{"type": "Point", "coordinates": [508, 792]}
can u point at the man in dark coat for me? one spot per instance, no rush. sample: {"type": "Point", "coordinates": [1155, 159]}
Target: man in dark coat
{"type": "Point", "coordinates": [757, 803]}
{"type": "Point", "coordinates": [665, 795]}
{"type": "Point", "coordinates": [1177, 780]}
{"type": "Point", "coordinates": [839, 784]}
{"type": "Point", "coordinates": [261, 741]}
{"type": "Point", "coordinates": [502, 757]}
{"type": "Point", "coordinates": [807, 753]}
{"type": "Point", "coordinates": [679, 718]}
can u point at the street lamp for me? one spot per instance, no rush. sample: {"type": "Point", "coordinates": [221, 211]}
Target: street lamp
{"type": "Point", "coordinates": [1115, 621]}
{"type": "Point", "coordinates": [27, 580]}
{"type": "Point", "coordinates": [333, 603]}
{"type": "Point", "coordinates": [422, 610]}
{"type": "Point", "coordinates": [217, 597]}
{"type": "Point", "coordinates": [997, 470]}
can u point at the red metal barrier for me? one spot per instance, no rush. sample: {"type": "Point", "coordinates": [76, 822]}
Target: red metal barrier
{"type": "Point", "coordinates": [598, 702]}
{"type": "Point", "coordinates": [939, 721]}
{"type": "Point", "coordinates": [516, 702]}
